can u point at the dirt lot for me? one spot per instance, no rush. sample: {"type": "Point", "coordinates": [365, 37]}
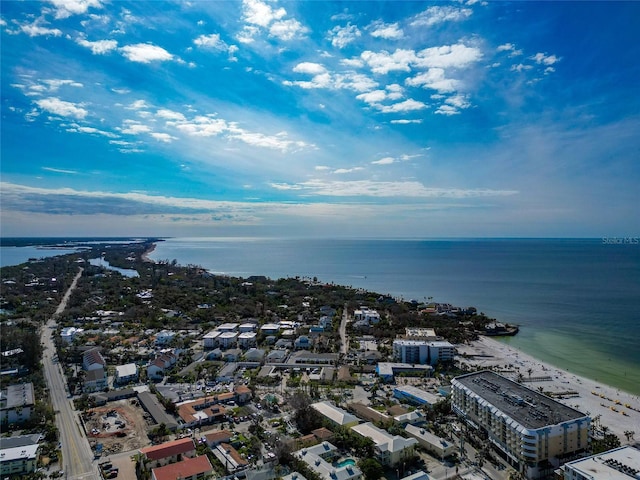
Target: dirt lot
{"type": "Point", "coordinates": [119, 426]}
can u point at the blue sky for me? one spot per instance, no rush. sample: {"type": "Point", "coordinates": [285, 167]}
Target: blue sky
{"type": "Point", "coordinates": [315, 118]}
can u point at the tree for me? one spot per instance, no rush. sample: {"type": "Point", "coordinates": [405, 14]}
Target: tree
{"type": "Point", "coordinates": [629, 434]}
{"type": "Point", "coordinates": [371, 468]}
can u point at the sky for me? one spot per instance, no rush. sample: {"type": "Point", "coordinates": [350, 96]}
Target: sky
{"type": "Point", "coordinates": [317, 118]}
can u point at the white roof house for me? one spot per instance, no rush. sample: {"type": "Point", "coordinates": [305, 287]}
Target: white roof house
{"type": "Point", "coordinates": [619, 463]}
{"type": "Point", "coordinates": [227, 327]}
{"type": "Point", "coordinates": [317, 457]}
{"type": "Point", "coordinates": [390, 449]}
{"type": "Point", "coordinates": [126, 372]}
{"type": "Point", "coordinates": [336, 414]}
{"type": "Point", "coordinates": [434, 444]}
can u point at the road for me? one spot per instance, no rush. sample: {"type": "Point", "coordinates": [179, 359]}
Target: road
{"type": "Point", "coordinates": [77, 457]}
{"type": "Point", "coordinates": [344, 340]}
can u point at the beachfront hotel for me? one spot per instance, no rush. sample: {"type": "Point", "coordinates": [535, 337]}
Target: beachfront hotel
{"type": "Point", "coordinates": [533, 432]}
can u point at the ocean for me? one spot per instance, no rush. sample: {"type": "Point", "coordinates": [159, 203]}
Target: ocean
{"type": "Point", "coordinates": [576, 300]}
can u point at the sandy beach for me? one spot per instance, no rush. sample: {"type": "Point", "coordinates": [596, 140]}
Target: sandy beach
{"type": "Point", "coordinates": [619, 411]}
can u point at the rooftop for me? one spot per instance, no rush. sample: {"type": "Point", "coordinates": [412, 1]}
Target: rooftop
{"type": "Point", "coordinates": [383, 439]}
{"type": "Point", "coordinates": [17, 396]}
{"type": "Point", "coordinates": [619, 464]}
{"type": "Point", "coordinates": [529, 408]}
{"type": "Point", "coordinates": [335, 414]}
{"type": "Point", "coordinates": [184, 469]}
{"type": "Point", "coordinates": [168, 449]}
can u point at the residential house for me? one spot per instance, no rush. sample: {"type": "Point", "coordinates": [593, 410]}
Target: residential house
{"type": "Point", "coordinates": [319, 458]}
{"type": "Point", "coordinates": [68, 334]}
{"type": "Point", "coordinates": [210, 340]}
{"type": "Point", "coordinates": [389, 449]}
{"type": "Point", "coordinates": [228, 339]}
{"type": "Point", "coordinates": [247, 327]}
{"type": "Point", "coordinates": [270, 329]}
{"type": "Point", "coordinates": [217, 437]}
{"type": "Point", "coordinates": [165, 337]}
{"type": "Point", "coordinates": [95, 380]}
{"type": "Point", "coordinates": [303, 342]}
{"type": "Point", "coordinates": [334, 414]}
{"type": "Point", "coordinates": [126, 374]}
{"type": "Point", "coordinates": [367, 315]}
{"type": "Point", "coordinates": [16, 403]}
{"type": "Point", "coordinates": [18, 455]}
{"type": "Point", "coordinates": [93, 360]}
{"type": "Point", "coordinates": [227, 327]}
{"type": "Point", "coordinates": [230, 458]}
{"type": "Point", "coordinates": [195, 468]}
{"type": "Point", "coordinates": [437, 446]}
{"type": "Point", "coordinates": [168, 452]}
{"type": "Point", "coordinates": [254, 355]}
{"type": "Point", "coordinates": [247, 339]}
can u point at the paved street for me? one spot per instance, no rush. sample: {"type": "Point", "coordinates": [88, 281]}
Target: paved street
{"type": "Point", "coordinates": [77, 458]}
{"type": "Point", "coordinates": [344, 340]}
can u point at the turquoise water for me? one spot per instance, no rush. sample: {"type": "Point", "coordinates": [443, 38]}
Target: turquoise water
{"type": "Point", "coordinates": [345, 463]}
{"type": "Point", "coordinates": [577, 301]}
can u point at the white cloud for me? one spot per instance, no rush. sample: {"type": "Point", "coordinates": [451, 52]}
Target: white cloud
{"type": "Point", "coordinates": [439, 14]}
{"type": "Point", "coordinates": [62, 108]}
{"type": "Point", "coordinates": [375, 96]}
{"type": "Point", "coordinates": [388, 31]}
{"type": "Point", "coordinates": [352, 62]}
{"type": "Point", "coordinates": [213, 41]}
{"type": "Point", "coordinates": [384, 161]}
{"type": "Point", "coordinates": [134, 128]}
{"type": "Point", "coordinates": [288, 29]}
{"type": "Point", "coordinates": [74, 127]}
{"type": "Point", "coordinates": [435, 79]}
{"type": "Point", "coordinates": [55, 84]}
{"type": "Point", "coordinates": [447, 110]}
{"type": "Point", "coordinates": [405, 121]}
{"type": "Point", "coordinates": [341, 171]}
{"type": "Point", "coordinates": [448, 56]}
{"type": "Point", "coordinates": [520, 67]}
{"type": "Point", "coordinates": [210, 41]}
{"type": "Point", "coordinates": [384, 62]}
{"type": "Point", "coordinates": [506, 47]}
{"type": "Point", "coordinates": [260, 13]}
{"type": "Point", "coordinates": [368, 188]}
{"type": "Point", "coordinates": [543, 59]}
{"type": "Point", "coordinates": [66, 8]}
{"type": "Point", "coordinates": [60, 170]}
{"type": "Point", "coordinates": [321, 168]}
{"type": "Point", "coordinates": [137, 105]}
{"type": "Point", "coordinates": [343, 36]}
{"type": "Point", "coordinates": [163, 137]}
{"type": "Point", "coordinates": [458, 101]}
{"type": "Point", "coordinates": [99, 47]}
{"type": "Point", "coordinates": [310, 68]}
{"type": "Point", "coordinates": [145, 53]}
{"type": "Point", "coordinates": [170, 115]}
{"type": "Point", "coordinates": [35, 30]}
{"type": "Point", "coordinates": [408, 105]}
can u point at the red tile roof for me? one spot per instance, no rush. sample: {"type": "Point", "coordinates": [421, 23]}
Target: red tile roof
{"type": "Point", "coordinates": [168, 449]}
{"type": "Point", "coordinates": [184, 469]}
{"type": "Point", "coordinates": [218, 436]}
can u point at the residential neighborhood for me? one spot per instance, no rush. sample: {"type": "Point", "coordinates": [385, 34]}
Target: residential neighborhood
{"type": "Point", "coordinates": [183, 374]}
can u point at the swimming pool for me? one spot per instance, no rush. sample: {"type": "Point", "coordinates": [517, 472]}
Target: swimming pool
{"type": "Point", "coordinates": [346, 462]}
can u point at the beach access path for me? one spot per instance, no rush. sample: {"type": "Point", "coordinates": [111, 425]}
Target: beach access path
{"type": "Point", "coordinates": [583, 394]}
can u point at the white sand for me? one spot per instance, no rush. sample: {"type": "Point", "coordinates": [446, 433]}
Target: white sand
{"type": "Point", "coordinates": [504, 359]}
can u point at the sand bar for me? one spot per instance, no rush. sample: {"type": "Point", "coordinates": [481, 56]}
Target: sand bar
{"type": "Point", "coordinates": [619, 411]}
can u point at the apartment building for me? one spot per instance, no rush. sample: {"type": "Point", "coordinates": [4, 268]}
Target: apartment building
{"type": "Point", "coordinates": [533, 432]}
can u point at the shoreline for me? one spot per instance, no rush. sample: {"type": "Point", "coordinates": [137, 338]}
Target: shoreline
{"type": "Point", "coordinates": [145, 255]}
{"type": "Point", "coordinates": [581, 393]}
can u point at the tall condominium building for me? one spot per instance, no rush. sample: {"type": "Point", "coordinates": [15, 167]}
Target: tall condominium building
{"type": "Point", "coordinates": [422, 351]}
{"type": "Point", "coordinates": [533, 432]}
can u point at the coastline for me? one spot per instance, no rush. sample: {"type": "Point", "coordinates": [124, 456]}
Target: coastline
{"type": "Point", "coordinates": [145, 256]}
{"type": "Point", "coordinates": [584, 394]}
